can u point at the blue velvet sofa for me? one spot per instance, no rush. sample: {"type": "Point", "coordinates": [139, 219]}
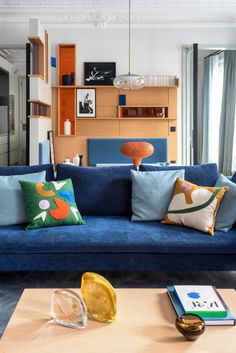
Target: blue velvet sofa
{"type": "Point", "coordinates": [109, 240]}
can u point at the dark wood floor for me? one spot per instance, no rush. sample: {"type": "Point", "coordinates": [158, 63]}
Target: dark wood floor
{"type": "Point", "coordinates": [13, 283]}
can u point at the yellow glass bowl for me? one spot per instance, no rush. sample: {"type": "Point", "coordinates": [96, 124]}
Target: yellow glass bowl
{"type": "Point", "coordinates": [99, 297]}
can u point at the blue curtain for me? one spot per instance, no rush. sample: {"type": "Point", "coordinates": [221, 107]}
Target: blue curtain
{"type": "Point", "coordinates": [227, 119]}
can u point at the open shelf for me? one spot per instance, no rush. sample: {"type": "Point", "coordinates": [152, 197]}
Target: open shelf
{"type": "Point", "coordinates": [142, 111]}
{"type": "Point", "coordinates": [36, 75]}
{"type": "Point", "coordinates": [38, 116]}
{"type": "Point", "coordinates": [66, 109]}
{"type": "Point", "coordinates": [147, 118]}
{"type": "Point", "coordinates": [61, 86]}
{"type": "Point", "coordinates": [38, 57]}
{"type": "Point", "coordinates": [37, 101]}
{"type": "Point", "coordinates": [67, 61]}
{"type": "Point", "coordinates": [35, 40]}
{"type": "Point", "coordinates": [39, 109]}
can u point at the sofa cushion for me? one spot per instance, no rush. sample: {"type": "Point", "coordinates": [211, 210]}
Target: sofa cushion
{"type": "Point", "coordinates": [194, 206]}
{"type": "Point", "coordinates": [50, 204]}
{"type": "Point", "coordinates": [234, 178]}
{"type": "Point", "coordinates": [11, 201]}
{"type": "Point", "coordinates": [19, 170]}
{"type": "Point", "coordinates": [115, 235]}
{"type": "Point", "coordinates": [152, 192]}
{"type": "Point", "coordinates": [202, 174]}
{"type": "Point", "coordinates": [226, 215]}
{"type": "Point", "coordinates": [100, 190]}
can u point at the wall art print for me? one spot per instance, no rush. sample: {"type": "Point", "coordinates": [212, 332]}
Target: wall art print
{"type": "Point", "coordinates": [99, 73]}
{"type": "Point", "coordinates": [86, 103]}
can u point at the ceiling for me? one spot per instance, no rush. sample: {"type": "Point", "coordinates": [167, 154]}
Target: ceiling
{"type": "Point", "coordinates": [17, 57]}
{"type": "Point", "coordinates": [14, 56]}
{"type": "Point", "coordinates": [101, 13]}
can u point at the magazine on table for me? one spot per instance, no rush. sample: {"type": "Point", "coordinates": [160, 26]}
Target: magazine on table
{"type": "Point", "coordinates": [227, 320]}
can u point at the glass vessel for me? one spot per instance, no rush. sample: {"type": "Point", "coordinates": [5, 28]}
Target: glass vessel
{"type": "Point", "coordinates": [129, 81]}
{"type": "Point", "coordinates": [68, 309]}
{"type": "Point", "coordinates": [99, 297]}
{"type": "Point", "coordinates": [190, 325]}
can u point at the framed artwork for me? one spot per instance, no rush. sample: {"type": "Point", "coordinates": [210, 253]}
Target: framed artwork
{"type": "Point", "coordinates": [99, 74]}
{"type": "Point", "coordinates": [52, 150]}
{"type": "Point", "coordinates": [86, 102]}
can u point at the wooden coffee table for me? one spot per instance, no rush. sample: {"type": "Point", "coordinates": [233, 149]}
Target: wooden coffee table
{"type": "Point", "coordinates": [144, 324]}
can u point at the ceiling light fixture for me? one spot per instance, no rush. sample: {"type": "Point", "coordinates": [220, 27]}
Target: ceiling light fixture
{"type": "Point", "coordinates": [129, 81]}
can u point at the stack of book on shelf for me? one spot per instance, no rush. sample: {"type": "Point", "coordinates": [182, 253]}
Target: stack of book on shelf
{"type": "Point", "coordinates": [204, 301]}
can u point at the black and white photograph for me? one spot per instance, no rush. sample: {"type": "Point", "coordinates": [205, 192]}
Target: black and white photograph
{"type": "Point", "coordinates": [86, 102]}
{"type": "Point", "coordinates": [99, 74]}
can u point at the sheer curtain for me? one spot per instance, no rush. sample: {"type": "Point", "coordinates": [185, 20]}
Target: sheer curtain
{"type": "Point", "coordinates": [212, 89]}
{"type": "Point", "coordinates": [227, 121]}
{"type": "Point", "coordinates": [234, 149]}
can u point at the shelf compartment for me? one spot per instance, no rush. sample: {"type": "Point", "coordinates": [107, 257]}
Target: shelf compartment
{"type": "Point", "coordinates": [39, 116]}
{"type": "Point", "coordinates": [38, 58]}
{"type": "Point", "coordinates": [66, 109]}
{"type": "Point", "coordinates": [142, 112]}
{"type": "Point", "coordinates": [38, 101]}
{"type": "Point", "coordinates": [39, 89]}
{"type": "Point", "coordinates": [67, 61]}
{"type": "Point", "coordinates": [35, 40]}
{"type": "Point", "coordinates": [40, 110]}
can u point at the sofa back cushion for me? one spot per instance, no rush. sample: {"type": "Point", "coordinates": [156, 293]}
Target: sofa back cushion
{"type": "Point", "coordinates": [100, 190]}
{"type": "Point", "coordinates": [202, 174]}
{"type": "Point", "coordinates": [234, 178]}
{"type": "Point", "coordinates": [12, 208]}
{"type": "Point", "coordinates": [19, 170]}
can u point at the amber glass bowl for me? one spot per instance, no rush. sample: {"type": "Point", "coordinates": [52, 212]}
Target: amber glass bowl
{"type": "Point", "coordinates": [190, 325]}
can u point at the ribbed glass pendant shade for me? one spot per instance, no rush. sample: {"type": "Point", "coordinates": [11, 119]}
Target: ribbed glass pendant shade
{"type": "Point", "coordinates": [129, 81]}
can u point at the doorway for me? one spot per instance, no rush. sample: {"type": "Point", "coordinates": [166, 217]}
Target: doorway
{"type": "Point", "coordinates": [13, 120]}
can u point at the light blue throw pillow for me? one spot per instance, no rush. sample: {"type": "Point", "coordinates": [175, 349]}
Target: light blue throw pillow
{"type": "Point", "coordinates": [226, 215]}
{"type": "Point", "coordinates": [11, 200]}
{"type": "Point", "coordinates": [152, 193]}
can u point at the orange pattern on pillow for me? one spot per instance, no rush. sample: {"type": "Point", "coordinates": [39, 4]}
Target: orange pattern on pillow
{"type": "Point", "coordinates": [194, 206]}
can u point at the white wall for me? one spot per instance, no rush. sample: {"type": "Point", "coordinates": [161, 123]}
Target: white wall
{"type": "Point", "coordinates": [154, 50]}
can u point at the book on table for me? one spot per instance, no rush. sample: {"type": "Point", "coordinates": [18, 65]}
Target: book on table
{"type": "Point", "coordinates": [212, 309]}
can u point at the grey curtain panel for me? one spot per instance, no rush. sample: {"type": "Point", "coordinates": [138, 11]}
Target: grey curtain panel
{"type": "Point", "coordinates": [227, 119]}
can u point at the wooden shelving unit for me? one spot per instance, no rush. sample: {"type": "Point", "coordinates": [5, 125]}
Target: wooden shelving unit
{"type": "Point", "coordinates": [109, 122]}
{"type": "Point", "coordinates": [40, 91]}
{"type": "Point", "coordinates": [39, 107]}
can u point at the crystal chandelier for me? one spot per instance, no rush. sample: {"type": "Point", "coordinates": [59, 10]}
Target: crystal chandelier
{"type": "Point", "coordinates": [129, 81]}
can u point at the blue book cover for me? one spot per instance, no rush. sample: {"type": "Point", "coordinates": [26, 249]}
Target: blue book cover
{"type": "Point", "coordinates": [229, 320]}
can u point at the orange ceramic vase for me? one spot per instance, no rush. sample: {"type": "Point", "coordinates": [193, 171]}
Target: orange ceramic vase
{"type": "Point", "coordinates": [137, 151]}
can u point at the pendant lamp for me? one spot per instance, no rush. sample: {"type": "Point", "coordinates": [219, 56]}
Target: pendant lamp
{"type": "Point", "coordinates": [129, 81]}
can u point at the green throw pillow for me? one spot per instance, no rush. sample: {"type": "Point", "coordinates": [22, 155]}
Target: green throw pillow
{"type": "Point", "coordinates": [50, 204]}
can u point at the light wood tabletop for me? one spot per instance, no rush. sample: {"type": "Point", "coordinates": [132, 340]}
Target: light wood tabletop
{"type": "Point", "coordinates": [145, 323]}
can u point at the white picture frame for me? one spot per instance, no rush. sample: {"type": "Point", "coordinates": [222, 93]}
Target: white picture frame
{"type": "Point", "coordinates": [86, 102]}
